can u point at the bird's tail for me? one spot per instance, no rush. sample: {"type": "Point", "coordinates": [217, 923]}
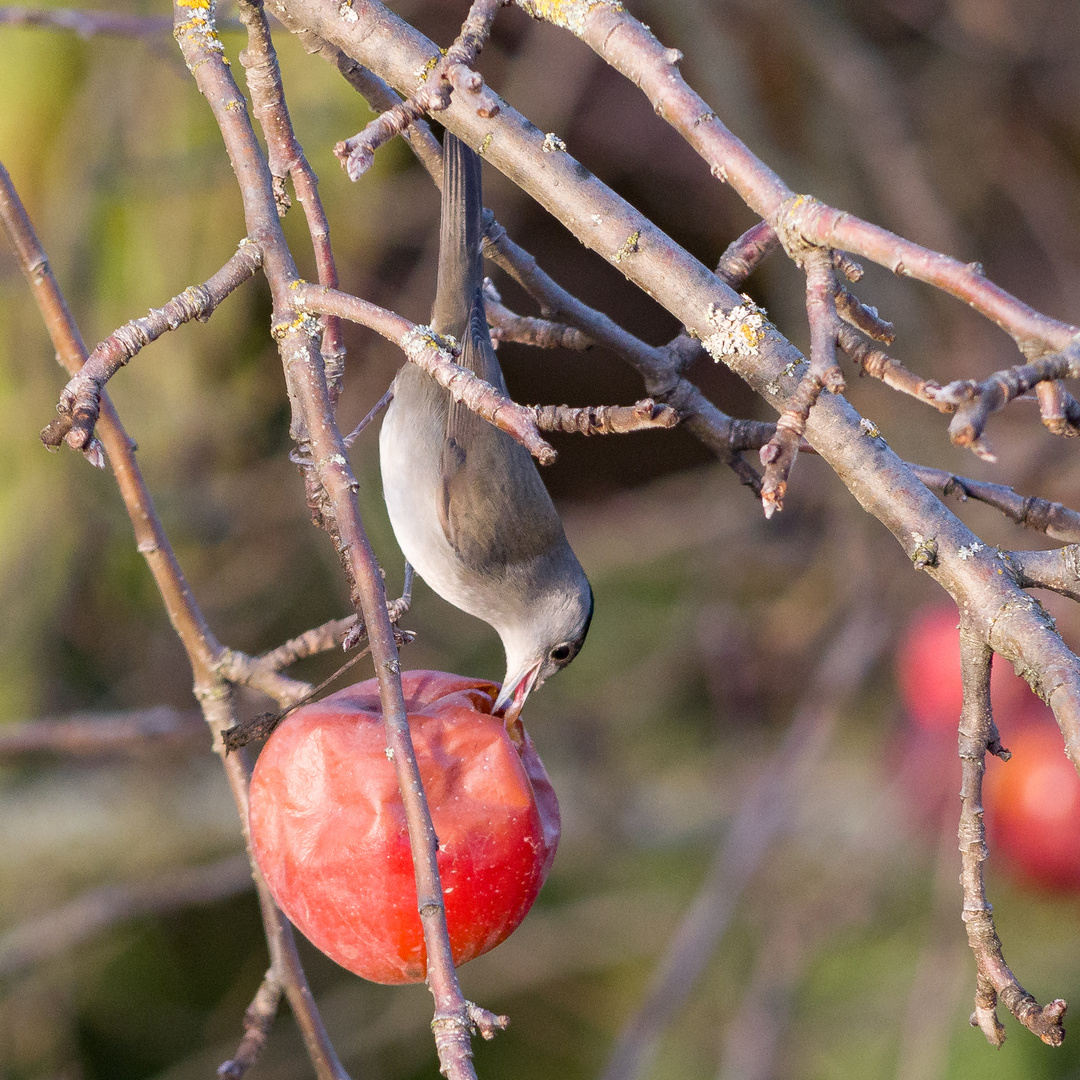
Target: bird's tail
{"type": "Point", "coordinates": [461, 271]}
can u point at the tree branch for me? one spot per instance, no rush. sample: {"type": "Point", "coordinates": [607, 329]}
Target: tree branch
{"type": "Point", "coordinates": [203, 649]}
{"type": "Point", "coordinates": [287, 159]}
{"type": "Point", "coordinates": [80, 399]}
{"type": "Point", "coordinates": [1013, 624]}
{"type": "Point", "coordinates": [1053, 518]}
{"type": "Point", "coordinates": [331, 487]}
{"type": "Point", "coordinates": [1058, 571]}
{"type": "Point", "coordinates": [428, 351]}
{"type": "Point", "coordinates": [995, 982]}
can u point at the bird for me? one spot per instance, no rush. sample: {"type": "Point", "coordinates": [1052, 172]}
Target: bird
{"type": "Point", "coordinates": [466, 502]}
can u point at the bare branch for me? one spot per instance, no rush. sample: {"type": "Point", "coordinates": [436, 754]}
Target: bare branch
{"type": "Point", "coordinates": [746, 253]}
{"type": "Point", "coordinates": [1060, 411]}
{"type": "Point", "coordinates": [370, 417]}
{"type": "Point", "coordinates": [454, 71]}
{"type": "Point", "coordinates": [258, 1019]}
{"type": "Point", "coordinates": [1053, 518]}
{"type": "Point", "coordinates": [605, 419]}
{"type": "Point", "coordinates": [974, 402]}
{"type": "Point", "coordinates": [995, 982]}
{"type": "Point", "coordinates": [80, 399]}
{"type": "Point", "coordinates": [779, 454]}
{"type": "Point", "coordinates": [863, 317]}
{"type": "Point", "coordinates": [622, 41]}
{"type": "Point", "coordinates": [892, 373]}
{"type": "Point", "coordinates": [659, 367]}
{"type": "Point", "coordinates": [1058, 571]}
{"type": "Point", "coordinates": [426, 349]}
{"type": "Point", "coordinates": [541, 333]}
{"type": "Point", "coordinates": [286, 159]}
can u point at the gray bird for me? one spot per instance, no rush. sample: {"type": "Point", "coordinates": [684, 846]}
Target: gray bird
{"type": "Point", "coordinates": [466, 501]}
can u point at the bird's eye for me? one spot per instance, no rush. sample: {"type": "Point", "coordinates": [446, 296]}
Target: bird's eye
{"type": "Point", "coordinates": [560, 653]}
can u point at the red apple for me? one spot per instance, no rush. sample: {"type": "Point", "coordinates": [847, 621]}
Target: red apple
{"type": "Point", "coordinates": [928, 673]}
{"type": "Point", "coordinates": [328, 825]}
{"type": "Point", "coordinates": [1032, 807]}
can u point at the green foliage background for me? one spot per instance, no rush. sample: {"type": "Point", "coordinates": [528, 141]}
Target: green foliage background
{"type": "Point", "coordinates": [709, 622]}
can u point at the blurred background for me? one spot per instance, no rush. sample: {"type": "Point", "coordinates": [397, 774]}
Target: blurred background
{"type": "Point", "coordinates": [954, 122]}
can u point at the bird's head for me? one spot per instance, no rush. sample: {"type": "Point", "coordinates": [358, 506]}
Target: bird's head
{"type": "Point", "coordinates": [547, 637]}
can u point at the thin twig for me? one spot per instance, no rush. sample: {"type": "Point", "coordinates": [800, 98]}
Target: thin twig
{"type": "Point", "coordinates": [1058, 571]}
{"type": "Point", "coordinates": [258, 1020]}
{"type": "Point", "coordinates": [779, 454]}
{"type": "Point", "coordinates": [974, 402]}
{"type": "Point", "coordinates": [455, 71]}
{"type": "Point", "coordinates": [203, 649]}
{"type": "Point", "coordinates": [746, 253]}
{"type": "Point", "coordinates": [287, 159]}
{"type": "Point", "coordinates": [994, 981]}
{"type": "Point", "coordinates": [375, 410]}
{"type": "Point", "coordinates": [1059, 410]}
{"type": "Point", "coordinates": [321, 639]}
{"type": "Point", "coordinates": [879, 365]}
{"type": "Point", "coordinates": [80, 399]}
{"type": "Point", "coordinates": [506, 325]}
{"type": "Point", "coordinates": [1053, 518]}
{"type": "Point", "coordinates": [644, 415]}
{"type": "Point", "coordinates": [863, 317]}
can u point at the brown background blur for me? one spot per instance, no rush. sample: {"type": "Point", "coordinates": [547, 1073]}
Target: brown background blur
{"type": "Point", "coordinates": [955, 122]}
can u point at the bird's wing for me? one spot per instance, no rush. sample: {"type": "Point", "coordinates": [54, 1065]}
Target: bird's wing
{"type": "Point", "coordinates": [494, 508]}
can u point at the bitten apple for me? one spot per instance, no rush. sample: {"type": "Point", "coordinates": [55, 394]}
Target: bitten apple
{"type": "Point", "coordinates": [329, 834]}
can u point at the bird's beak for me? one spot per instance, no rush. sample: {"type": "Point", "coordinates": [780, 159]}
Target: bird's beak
{"type": "Point", "coordinates": [512, 696]}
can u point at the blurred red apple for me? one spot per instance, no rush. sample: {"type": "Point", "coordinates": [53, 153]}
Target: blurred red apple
{"type": "Point", "coordinates": [1032, 807]}
{"type": "Point", "coordinates": [328, 825]}
{"type": "Point", "coordinates": [928, 674]}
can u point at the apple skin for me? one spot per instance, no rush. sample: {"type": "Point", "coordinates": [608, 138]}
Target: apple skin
{"type": "Point", "coordinates": [1032, 807]}
{"type": "Point", "coordinates": [928, 674]}
{"type": "Point", "coordinates": [328, 825]}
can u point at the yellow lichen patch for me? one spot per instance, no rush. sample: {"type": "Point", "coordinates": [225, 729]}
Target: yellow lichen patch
{"type": "Point", "coordinates": [569, 14]}
{"type": "Point", "coordinates": [428, 68]}
{"type": "Point", "coordinates": [303, 323]}
{"type": "Point", "coordinates": [630, 246]}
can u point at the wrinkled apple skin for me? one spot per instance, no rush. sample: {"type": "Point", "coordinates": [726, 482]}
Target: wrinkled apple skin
{"type": "Point", "coordinates": [328, 825]}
